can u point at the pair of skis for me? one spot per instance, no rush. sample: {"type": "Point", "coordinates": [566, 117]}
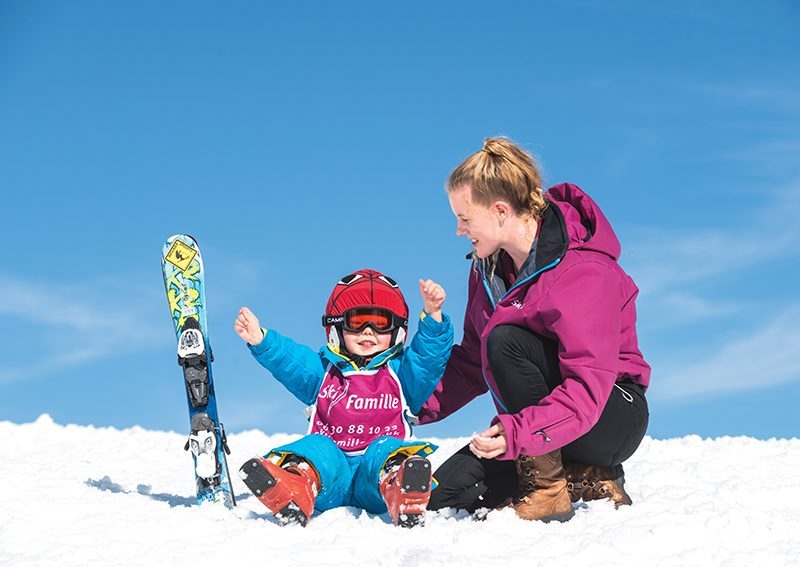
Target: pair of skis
{"type": "Point", "coordinates": [182, 267]}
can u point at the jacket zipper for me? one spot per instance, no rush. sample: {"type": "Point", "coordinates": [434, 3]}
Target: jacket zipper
{"type": "Point", "coordinates": [543, 431]}
{"type": "Point", "coordinates": [495, 396]}
{"type": "Point", "coordinates": [533, 275]}
{"type": "Point", "coordinates": [516, 284]}
{"type": "Point", "coordinates": [494, 306]}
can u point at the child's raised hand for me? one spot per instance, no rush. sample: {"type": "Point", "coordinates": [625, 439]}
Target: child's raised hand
{"type": "Point", "coordinates": [433, 296]}
{"type": "Point", "coordinates": [248, 327]}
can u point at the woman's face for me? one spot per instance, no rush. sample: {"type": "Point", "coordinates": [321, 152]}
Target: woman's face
{"type": "Point", "coordinates": [478, 223]}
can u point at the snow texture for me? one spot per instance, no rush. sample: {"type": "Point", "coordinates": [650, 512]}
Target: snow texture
{"type": "Point", "coordinates": [74, 495]}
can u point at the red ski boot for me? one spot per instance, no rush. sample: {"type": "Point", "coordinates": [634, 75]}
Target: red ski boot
{"type": "Point", "coordinates": [288, 491]}
{"type": "Point", "coordinates": [406, 488]}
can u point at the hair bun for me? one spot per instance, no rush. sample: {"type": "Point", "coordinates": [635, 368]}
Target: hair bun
{"type": "Point", "coordinates": [490, 146]}
{"type": "Point", "coordinates": [501, 170]}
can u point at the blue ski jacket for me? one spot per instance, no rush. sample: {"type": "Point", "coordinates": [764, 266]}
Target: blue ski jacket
{"type": "Point", "coordinates": [419, 366]}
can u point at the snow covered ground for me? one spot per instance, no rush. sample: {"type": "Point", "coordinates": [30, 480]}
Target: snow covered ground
{"type": "Point", "coordinates": [74, 495]}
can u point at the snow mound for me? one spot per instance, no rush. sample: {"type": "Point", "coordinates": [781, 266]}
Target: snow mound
{"type": "Point", "coordinates": [75, 495]}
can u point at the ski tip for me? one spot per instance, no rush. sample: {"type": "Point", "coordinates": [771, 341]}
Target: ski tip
{"type": "Point", "coordinates": [180, 252]}
{"type": "Point", "coordinates": [183, 235]}
{"type": "Point", "coordinates": [187, 238]}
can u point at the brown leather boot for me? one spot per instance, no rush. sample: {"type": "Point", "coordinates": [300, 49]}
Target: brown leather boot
{"type": "Point", "coordinates": [588, 482]}
{"type": "Point", "coordinates": [542, 489]}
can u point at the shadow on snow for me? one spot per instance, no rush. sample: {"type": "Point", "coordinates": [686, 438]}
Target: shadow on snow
{"type": "Point", "coordinates": [107, 485]}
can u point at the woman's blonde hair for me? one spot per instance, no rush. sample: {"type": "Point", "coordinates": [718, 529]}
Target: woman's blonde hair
{"type": "Point", "coordinates": [501, 171]}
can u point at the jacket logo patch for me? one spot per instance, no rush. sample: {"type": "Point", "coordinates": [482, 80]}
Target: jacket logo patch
{"type": "Point", "coordinates": [518, 304]}
{"type": "Point", "coordinates": [334, 394]}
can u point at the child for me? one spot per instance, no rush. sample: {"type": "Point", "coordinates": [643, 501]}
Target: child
{"type": "Point", "coordinates": [364, 388]}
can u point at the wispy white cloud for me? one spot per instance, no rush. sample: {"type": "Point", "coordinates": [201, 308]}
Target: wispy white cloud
{"type": "Point", "coordinates": [665, 260]}
{"type": "Point", "coordinates": [681, 308]}
{"type": "Point", "coordinates": [69, 324]}
{"type": "Point", "coordinates": [771, 156]}
{"type": "Point", "coordinates": [680, 274]}
{"type": "Point", "coordinates": [236, 272]}
{"type": "Point", "coordinates": [753, 358]}
{"type": "Point", "coordinates": [773, 97]}
{"type": "Point", "coordinates": [78, 323]}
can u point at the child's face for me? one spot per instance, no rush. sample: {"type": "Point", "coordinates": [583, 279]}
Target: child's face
{"type": "Point", "coordinates": [366, 342]}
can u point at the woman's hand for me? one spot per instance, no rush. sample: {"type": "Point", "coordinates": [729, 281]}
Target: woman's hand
{"type": "Point", "coordinates": [433, 296]}
{"type": "Point", "coordinates": [491, 443]}
{"type": "Point", "coordinates": [248, 327]}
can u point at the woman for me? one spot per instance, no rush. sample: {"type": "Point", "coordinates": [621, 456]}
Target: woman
{"type": "Point", "coordinates": [550, 331]}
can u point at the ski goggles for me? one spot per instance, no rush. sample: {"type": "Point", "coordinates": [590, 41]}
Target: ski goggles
{"type": "Point", "coordinates": [359, 318]}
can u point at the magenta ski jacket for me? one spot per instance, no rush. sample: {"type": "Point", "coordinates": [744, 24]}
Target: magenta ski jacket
{"type": "Point", "coordinates": [570, 289]}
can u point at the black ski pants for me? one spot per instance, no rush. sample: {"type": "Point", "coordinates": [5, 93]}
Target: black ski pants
{"type": "Point", "coordinates": [525, 368]}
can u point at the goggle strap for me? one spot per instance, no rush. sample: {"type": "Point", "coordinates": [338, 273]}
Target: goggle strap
{"type": "Point", "coordinates": [332, 320]}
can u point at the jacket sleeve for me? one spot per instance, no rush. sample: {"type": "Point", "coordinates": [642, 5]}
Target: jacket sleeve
{"type": "Point", "coordinates": [463, 378]}
{"type": "Point", "coordinates": [424, 360]}
{"type": "Point", "coordinates": [581, 308]}
{"type": "Point", "coordinates": [296, 366]}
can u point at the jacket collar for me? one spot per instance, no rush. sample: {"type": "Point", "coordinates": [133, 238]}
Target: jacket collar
{"type": "Point", "coordinates": [343, 362]}
{"type": "Point", "coordinates": [547, 250]}
{"type": "Point", "coordinates": [553, 239]}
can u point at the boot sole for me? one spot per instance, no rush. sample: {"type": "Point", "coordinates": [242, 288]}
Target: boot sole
{"type": "Point", "coordinates": [259, 480]}
{"type": "Point", "coordinates": [566, 516]}
{"type": "Point", "coordinates": [416, 477]}
{"type": "Point", "coordinates": [256, 477]}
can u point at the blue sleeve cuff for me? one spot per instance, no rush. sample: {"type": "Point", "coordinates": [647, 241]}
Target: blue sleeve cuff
{"type": "Point", "coordinates": [431, 326]}
{"type": "Point", "coordinates": [265, 344]}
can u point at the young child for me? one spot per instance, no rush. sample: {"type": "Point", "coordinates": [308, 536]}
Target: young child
{"type": "Point", "coordinates": [364, 388]}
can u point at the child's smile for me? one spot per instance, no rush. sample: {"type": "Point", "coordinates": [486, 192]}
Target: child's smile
{"type": "Point", "coordinates": [366, 342]}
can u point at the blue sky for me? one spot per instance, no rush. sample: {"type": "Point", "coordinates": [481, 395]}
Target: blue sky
{"type": "Point", "coordinates": [301, 141]}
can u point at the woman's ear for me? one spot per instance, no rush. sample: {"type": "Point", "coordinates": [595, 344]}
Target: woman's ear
{"type": "Point", "coordinates": [502, 210]}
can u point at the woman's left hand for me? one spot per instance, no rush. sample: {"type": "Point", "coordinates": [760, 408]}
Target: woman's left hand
{"type": "Point", "coordinates": [491, 443]}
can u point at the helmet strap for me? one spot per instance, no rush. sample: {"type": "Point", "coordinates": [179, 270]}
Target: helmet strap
{"type": "Point", "coordinates": [335, 338]}
{"type": "Point", "coordinates": [398, 336]}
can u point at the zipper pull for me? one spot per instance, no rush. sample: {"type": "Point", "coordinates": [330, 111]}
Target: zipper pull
{"type": "Point", "coordinates": [626, 395]}
{"type": "Point", "coordinates": [543, 433]}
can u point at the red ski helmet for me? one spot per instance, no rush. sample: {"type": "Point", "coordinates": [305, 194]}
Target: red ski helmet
{"type": "Point", "coordinates": [361, 298]}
